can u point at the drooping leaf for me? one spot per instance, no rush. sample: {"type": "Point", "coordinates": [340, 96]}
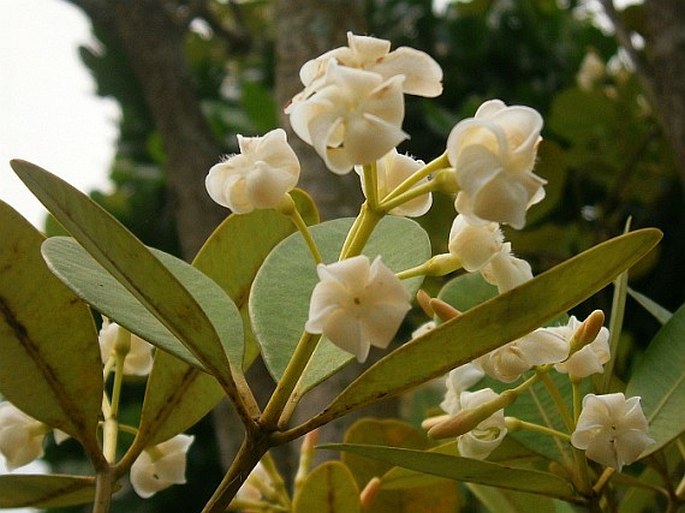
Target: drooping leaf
{"type": "Point", "coordinates": [90, 281]}
{"type": "Point", "coordinates": [495, 322]}
{"type": "Point", "coordinates": [660, 313]}
{"type": "Point", "coordinates": [279, 301]}
{"type": "Point", "coordinates": [660, 380]}
{"type": "Point", "coordinates": [177, 396]}
{"type": "Point", "coordinates": [233, 254]}
{"type": "Point", "coordinates": [45, 491]}
{"type": "Point", "coordinates": [130, 263]}
{"type": "Point", "coordinates": [465, 469]}
{"type": "Point", "coordinates": [50, 364]}
{"type": "Point", "coordinates": [436, 495]}
{"type": "Point", "coordinates": [330, 488]}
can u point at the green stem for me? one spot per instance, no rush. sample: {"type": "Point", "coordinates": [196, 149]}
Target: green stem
{"type": "Point", "coordinates": [618, 305]}
{"type": "Point", "coordinates": [554, 393]}
{"type": "Point", "coordinates": [298, 361]}
{"type": "Point", "coordinates": [361, 231]}
{"type": "Point", "coordinates": [370, 177]}
{"type": "Point", "coordinates": [386, 205]}
{"type": "Point", "coordinates": [289, 207]}
{"type": "Point", "coordinates": [111, 426]}
{"type": "Point", "coordinates": [514, 423]}
{"type": "Point", "coordinates": [434, 165]}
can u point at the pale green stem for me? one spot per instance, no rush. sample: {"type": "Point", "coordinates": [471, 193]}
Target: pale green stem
{"type": "Point", "coordinates": [286, 385]}
{"type": "Point", "coordinates": [584, 484]}
{"type": "Point", "coordinates": [438, 265]}
{"type": "Point", "coordinates": [361, 231]}
{"type": "Point", "coordinates": [435, 165]}
{"type": "Point", "coordinates": [289, 207]}
{"type": "Point", "coordinates": [386, 205]}
{"type": "Point", "coordinates": [306, 459]}
{"type": "Point", "coordinates": [554, 393]}
{"type": "Point", "coordinates": [111, 427]}
{"type": "Point", "coordinates": [603, 480]}
{"type": "Point", "coordinates": [370, 177]}
{"type": "Point", "coordinates": [577, 400]}
{"type": "Point", "coordinates": [517, 423]}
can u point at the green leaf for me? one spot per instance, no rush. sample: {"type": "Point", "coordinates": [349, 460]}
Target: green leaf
{"type": "Point", "coordinates": [50, 366]}
{"type": "Point", "coordinates": [436, 495]}
{"type": "Point", "coordinates": [90, 281]}
{"type": "Point", "coordinates": [466, 291]}
{"type": "Point", "coordinates": [494, 323]}
{"type": "Point", "coordinates": [330, 488]}
{"type": "Point", "coordinates": [177, 397]}
{"type": "Point", "coordinates": [659, 312]}
{"type": "Point", "coordinates": [130, 263]}
{"type": "Point", "coordinates": [45, 491]}
{"type": "Point", "coordinates": [235, 251]}
{"type": "Point", "coordinates": [279, 301]}
{"type": "Point", "coordinates": [466, 469]}
{"type": "Point", "coordinates": [660, 380]}
{"type": "Point", "coordinates": [497, 500]}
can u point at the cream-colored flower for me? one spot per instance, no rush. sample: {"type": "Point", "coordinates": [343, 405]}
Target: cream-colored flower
{"type": "Point", "coordinates": [508, 362]}
{"type": "Point", "coordinates": [160, 466]}
{"type": "Point", "coordinates": [474, 244]}
{"type": "Point", "coordinates": [357, 304]}
{"type": "Point", "coordinates": [353, 119]}
{"type": "Point", "coordinates": [21, 436]}
{"type": "Point", "coordinates": [422, 75]}
{"type": "Point", "coordinates": [506, 271]}
{"type": "Point", "coordinates": [588, 360]}
{"type": "Point", "coordinates": [591, 71]}
{"type": "Point", "coordinates": [493, 154]}
{"type": "Point", "coordinates": [460, 380]}
{"type": "Point", "coordinates": [393, 169]}
{"type": "Point", "coordinates": [611, 429]}
{"type": "Point", "coordinates": [112, 339]}
{"type": "Point", "coordinates": [258, 177]}
{"type": "Point", "coordinates": [488, 434]}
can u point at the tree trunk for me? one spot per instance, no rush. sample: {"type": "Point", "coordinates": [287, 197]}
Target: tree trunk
{"type": "Point", "coordinates": [305, 29]}
{"type": "Point", "coordinates": [155, 47]}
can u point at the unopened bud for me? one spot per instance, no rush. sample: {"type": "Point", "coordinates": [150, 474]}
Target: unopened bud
{"type": "Point", "coordinates": [461, 423]}
{"type": "Point", "coordinates": [442, 310]}
{"type": "Point", "coordinates": [442, 264]}
{"type": "Point", "coordinates": [587, 332]}
{"type": "Point", "coordinates": [423, 299]}
{"type": "Point", "coordinates": [369, 492]}
{"type": "Point", "coordinates": [446, 181]}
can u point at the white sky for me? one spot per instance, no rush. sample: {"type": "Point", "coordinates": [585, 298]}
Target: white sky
{"type": "Point", "coordinates": [49, 113]}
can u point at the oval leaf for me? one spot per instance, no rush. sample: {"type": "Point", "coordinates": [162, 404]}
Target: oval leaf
{"type": "Point", "coordinates": [465, 469]}
{"type": "Point", "coordinates": [50, 366]}
{"type": "Point", "coordinates": [177, 397]}
{"type": "Point", "coordinates": [131, 264]}
{"type": "Point", "coordinates": [330, 488]}
{"type": "Point", "coordinates": [279, 301]}
{"type": "Point", "coordinates": [494, 323]}
{"type": "Point", "coordinates": [660, 380]}
{"type": "Point", "coordinates": [233, 254]}
{"type": "Point", "coordinates": [38, 491]}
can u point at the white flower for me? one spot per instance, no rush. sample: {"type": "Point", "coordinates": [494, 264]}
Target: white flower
{"type": "Point", "coordinates": [508, 362]}
{"type": "Point", "coordinates": [21, 436]}
{"type": "Point", "coordinates": [458, 381]}
{"type": "Point", "coordinates": [422, 75]}
{"type": "Point", "coordinates": [588, 360]}
{"type": "Point", "coordinates": [355, 118]}
{"type": "Point", "coordinates": [488, 434]}
{"type": "Point", "coordinates": [161, 466]}
{"type": "Point", "coordinates": [258, 177]}
{"type": "Point", "coordinates": [391, 170]}
{"type": "Point", "coordinates": [423, 329]}
{"type": "Point", "coordinates": [138, 361]}
{"type": "Point", "coordinates": [506, 271]}
{"type": "Point", "coordinates": [611, 429]}
{"type": "Point", "coordinates": [493, 154]}
{"type": "Point", "coordinates": [474, 244]}
{"type": "Point", "coordinates": [357, 304]}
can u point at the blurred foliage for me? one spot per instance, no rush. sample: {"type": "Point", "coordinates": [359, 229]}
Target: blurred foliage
{"type": "Point", "coordinates": [603, 154]}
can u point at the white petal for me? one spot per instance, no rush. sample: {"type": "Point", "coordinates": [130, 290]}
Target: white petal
{"type": "Point", "coordinates": [423, 75]}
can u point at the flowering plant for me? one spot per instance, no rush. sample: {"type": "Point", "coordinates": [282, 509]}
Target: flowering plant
{"type": "Point", "coordinates": [316, 295]}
